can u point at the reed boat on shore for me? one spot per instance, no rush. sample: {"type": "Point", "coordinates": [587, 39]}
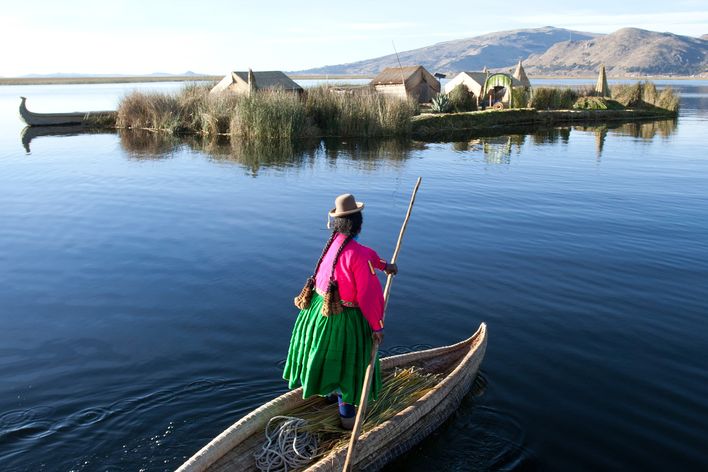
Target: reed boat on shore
{"type": "Point", "coordinates": [76, 118]}
{"type": "Point", "coordinates": [457, 365]}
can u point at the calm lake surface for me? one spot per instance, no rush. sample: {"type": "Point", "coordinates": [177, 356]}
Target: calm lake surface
{"type": "Point", "coordinates": [146, 286]}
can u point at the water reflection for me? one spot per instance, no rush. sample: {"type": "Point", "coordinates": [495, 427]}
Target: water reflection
{"type": "Point", "coordinates": [370, 152]}
{"type": "Point", "coordinates": [645, 131]}
{"type": "Point", "coordinates": [30, 133]}
{"type": "Point", "coordinates": [551, 135]}
{"type": "Point", "coordinates": [141, 144]}
{"type": "Point", "coordinates": [497, 150]}
{"type": "Point", "coordinates": [496, 145]}
{"type": "Point", "coordinates": [255, 155]}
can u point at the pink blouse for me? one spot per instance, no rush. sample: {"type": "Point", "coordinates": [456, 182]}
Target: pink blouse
{"type": "Point", "coordinates": [356, 278]}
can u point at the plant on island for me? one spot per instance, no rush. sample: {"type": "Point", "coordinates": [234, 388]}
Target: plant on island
{"type": "Point", "coordinates": [272, 114]}
{"type": "Point", "coordinates": [440, 103]}
{"type": "Point", "coordinates": [461, 99]}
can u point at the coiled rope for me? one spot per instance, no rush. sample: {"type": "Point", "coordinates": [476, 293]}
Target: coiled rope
{"type": "Point", "coordinates": [288, 446]}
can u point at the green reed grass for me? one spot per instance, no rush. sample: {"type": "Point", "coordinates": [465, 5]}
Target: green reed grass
{"type": "Point", "coordinates": [268, 114]}
{"type": "Point", "coordinates": [153, 111]}
{"type": "Point", "coordinates": [552, 98]}
{"type": "Point", "coordinates": [520, 97]}
{"type": "Point", "coordinates": [358, 112]}
{"type": "Point", "coordinates": [596, 103]}
{"type": "Point", "coordinates": [645, 95]}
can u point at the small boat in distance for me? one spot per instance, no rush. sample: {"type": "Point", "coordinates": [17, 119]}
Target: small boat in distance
{"type": "Point", "coordinates": [85, 118]}
{"type": "Point", "coordinates": [458, 364]}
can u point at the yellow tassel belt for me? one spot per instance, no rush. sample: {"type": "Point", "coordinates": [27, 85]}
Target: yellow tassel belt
{"type": "Point", "coordinates": [344, 302]}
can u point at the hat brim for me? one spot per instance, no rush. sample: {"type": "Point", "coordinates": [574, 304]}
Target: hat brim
{"type": "Point", "coordinates": [334, 214]}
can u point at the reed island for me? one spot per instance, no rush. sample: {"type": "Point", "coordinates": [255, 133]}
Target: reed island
{"type": "Point", "coordinates": [400, 102]}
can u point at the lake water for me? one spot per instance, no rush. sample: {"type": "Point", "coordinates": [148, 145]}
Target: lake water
{"type": "Point", "coordinates": [146, 286]}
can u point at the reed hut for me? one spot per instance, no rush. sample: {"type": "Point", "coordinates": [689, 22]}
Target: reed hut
{"type": "Point", "coordinates": [497, 90]}
{"type": "Point", "coordinates": [245, 82]}
{"type": "Point", "coordinates": [490, 89]}
{"type": "Point", "coordinates": [601, 88]}
{"type": "Point", "coordinates": [474, 81]}
{"type": "Point", "coordinates": [404, 82]}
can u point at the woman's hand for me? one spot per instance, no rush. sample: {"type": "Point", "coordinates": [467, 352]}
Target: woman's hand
{"type": "Point", "coordinates": [377, 336]}
{"type": "Point", "coordinates": [391, 269]}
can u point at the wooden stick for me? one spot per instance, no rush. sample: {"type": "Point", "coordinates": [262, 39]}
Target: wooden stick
{"type": "Point", "coordinates": [361, 413]}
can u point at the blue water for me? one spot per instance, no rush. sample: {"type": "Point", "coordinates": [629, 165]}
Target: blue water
{"type": "Point", "coordinates": [146, 286]}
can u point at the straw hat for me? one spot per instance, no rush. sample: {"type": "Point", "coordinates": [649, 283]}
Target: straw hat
{"type": "Point", "coordinates": [345, 205]}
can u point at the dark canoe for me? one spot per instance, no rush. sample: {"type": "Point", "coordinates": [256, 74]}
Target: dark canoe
{"type": "Point", "coordinates": [84, 118]}
{"type": "Point", "coordinates": [234, 449]}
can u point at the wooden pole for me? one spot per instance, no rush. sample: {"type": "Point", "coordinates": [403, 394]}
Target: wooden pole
{"type": "Point", "coordinates": [361, 413]}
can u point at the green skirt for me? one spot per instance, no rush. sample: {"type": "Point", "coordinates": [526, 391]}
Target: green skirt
{"type": "Point", "coordinates": [331, 353]}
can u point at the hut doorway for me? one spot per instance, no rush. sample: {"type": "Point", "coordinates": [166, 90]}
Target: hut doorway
{"type": "Point", "coordinates": [496, 96]}
{"type": "Point", "coordinates": [497, 90]}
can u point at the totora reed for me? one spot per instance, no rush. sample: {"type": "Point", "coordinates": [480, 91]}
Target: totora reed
{"type": "Point", "coordinates": [268, 114]}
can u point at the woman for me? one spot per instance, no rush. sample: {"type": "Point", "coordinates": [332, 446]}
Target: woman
{"type": "Point", "coordinates": [341, 313]}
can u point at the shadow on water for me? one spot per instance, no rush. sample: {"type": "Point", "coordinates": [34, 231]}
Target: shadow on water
{"type": "Point", "coordinates": [476, 437]}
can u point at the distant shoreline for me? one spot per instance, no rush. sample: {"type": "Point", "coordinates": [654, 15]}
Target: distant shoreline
{"type": "Point", "coordinates": [151, 78]}
{"type": "Point", "coordinates": [105, 80]}
{"type": "Point", "coordinates": [330, 78]}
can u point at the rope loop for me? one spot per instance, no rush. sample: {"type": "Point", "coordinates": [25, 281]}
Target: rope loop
{"type": "Point", "coordinates": [288, 446]}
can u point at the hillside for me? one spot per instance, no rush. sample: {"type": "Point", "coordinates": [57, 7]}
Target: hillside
{"type": "Point", "coordinates": [551, 51]}
{"type": "Point", "coordinates": [493, 50]}
{"type": "Point", "coordinates": [625, 52]}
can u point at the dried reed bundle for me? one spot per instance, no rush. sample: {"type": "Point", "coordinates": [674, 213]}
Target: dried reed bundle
{"type": "Point", "coordinates": [398, 390]}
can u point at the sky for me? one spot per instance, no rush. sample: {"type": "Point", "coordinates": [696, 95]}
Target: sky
{"type": "Point", "coordinates": [215, 36]}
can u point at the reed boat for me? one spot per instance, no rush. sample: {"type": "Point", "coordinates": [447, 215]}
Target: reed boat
{"type": "Point", "coordinates": [235, 448]}
{"type": "Point", "coordinates": [58, 119]}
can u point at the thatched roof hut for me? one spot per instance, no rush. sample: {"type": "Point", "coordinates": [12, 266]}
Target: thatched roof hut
{"type": "Point", "coordinates": [247, 81]}
{"type": "Point", "coordinates": [497, 90]}
{"type": "Point", "coordinates": [487, 91]}
{"type": "Point", "coordinates": [411, 81]}
{"type": "Point", "coordinates": [474, 81]}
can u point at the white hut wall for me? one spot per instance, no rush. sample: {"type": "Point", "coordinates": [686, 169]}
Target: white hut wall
{"type": "Point", "coordinates": [454, 82]}
{"type": "Point", "coordinates": [240, 88]}
{"type": "Point", "coordinates": [223, 84]}
{"type": "Point", "coordinates": [467, 81]}
{"type": "Point", "coordinates": [392, 90]}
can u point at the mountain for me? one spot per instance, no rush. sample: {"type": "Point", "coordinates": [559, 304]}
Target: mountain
{"type": "Point", "coordinates": [626, 51]}
{"type": "Point", "coordinates": [705, 37]}
{"type": "Point", "coordinates": [494, 50]}
{"type": "Point", "coordinates": [552, 51]}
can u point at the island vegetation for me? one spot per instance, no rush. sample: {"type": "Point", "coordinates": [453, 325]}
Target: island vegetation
{"type": "Point", "coordinates": [361, 112]}
{"type": "Point", "coordinates": [277, 114]}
